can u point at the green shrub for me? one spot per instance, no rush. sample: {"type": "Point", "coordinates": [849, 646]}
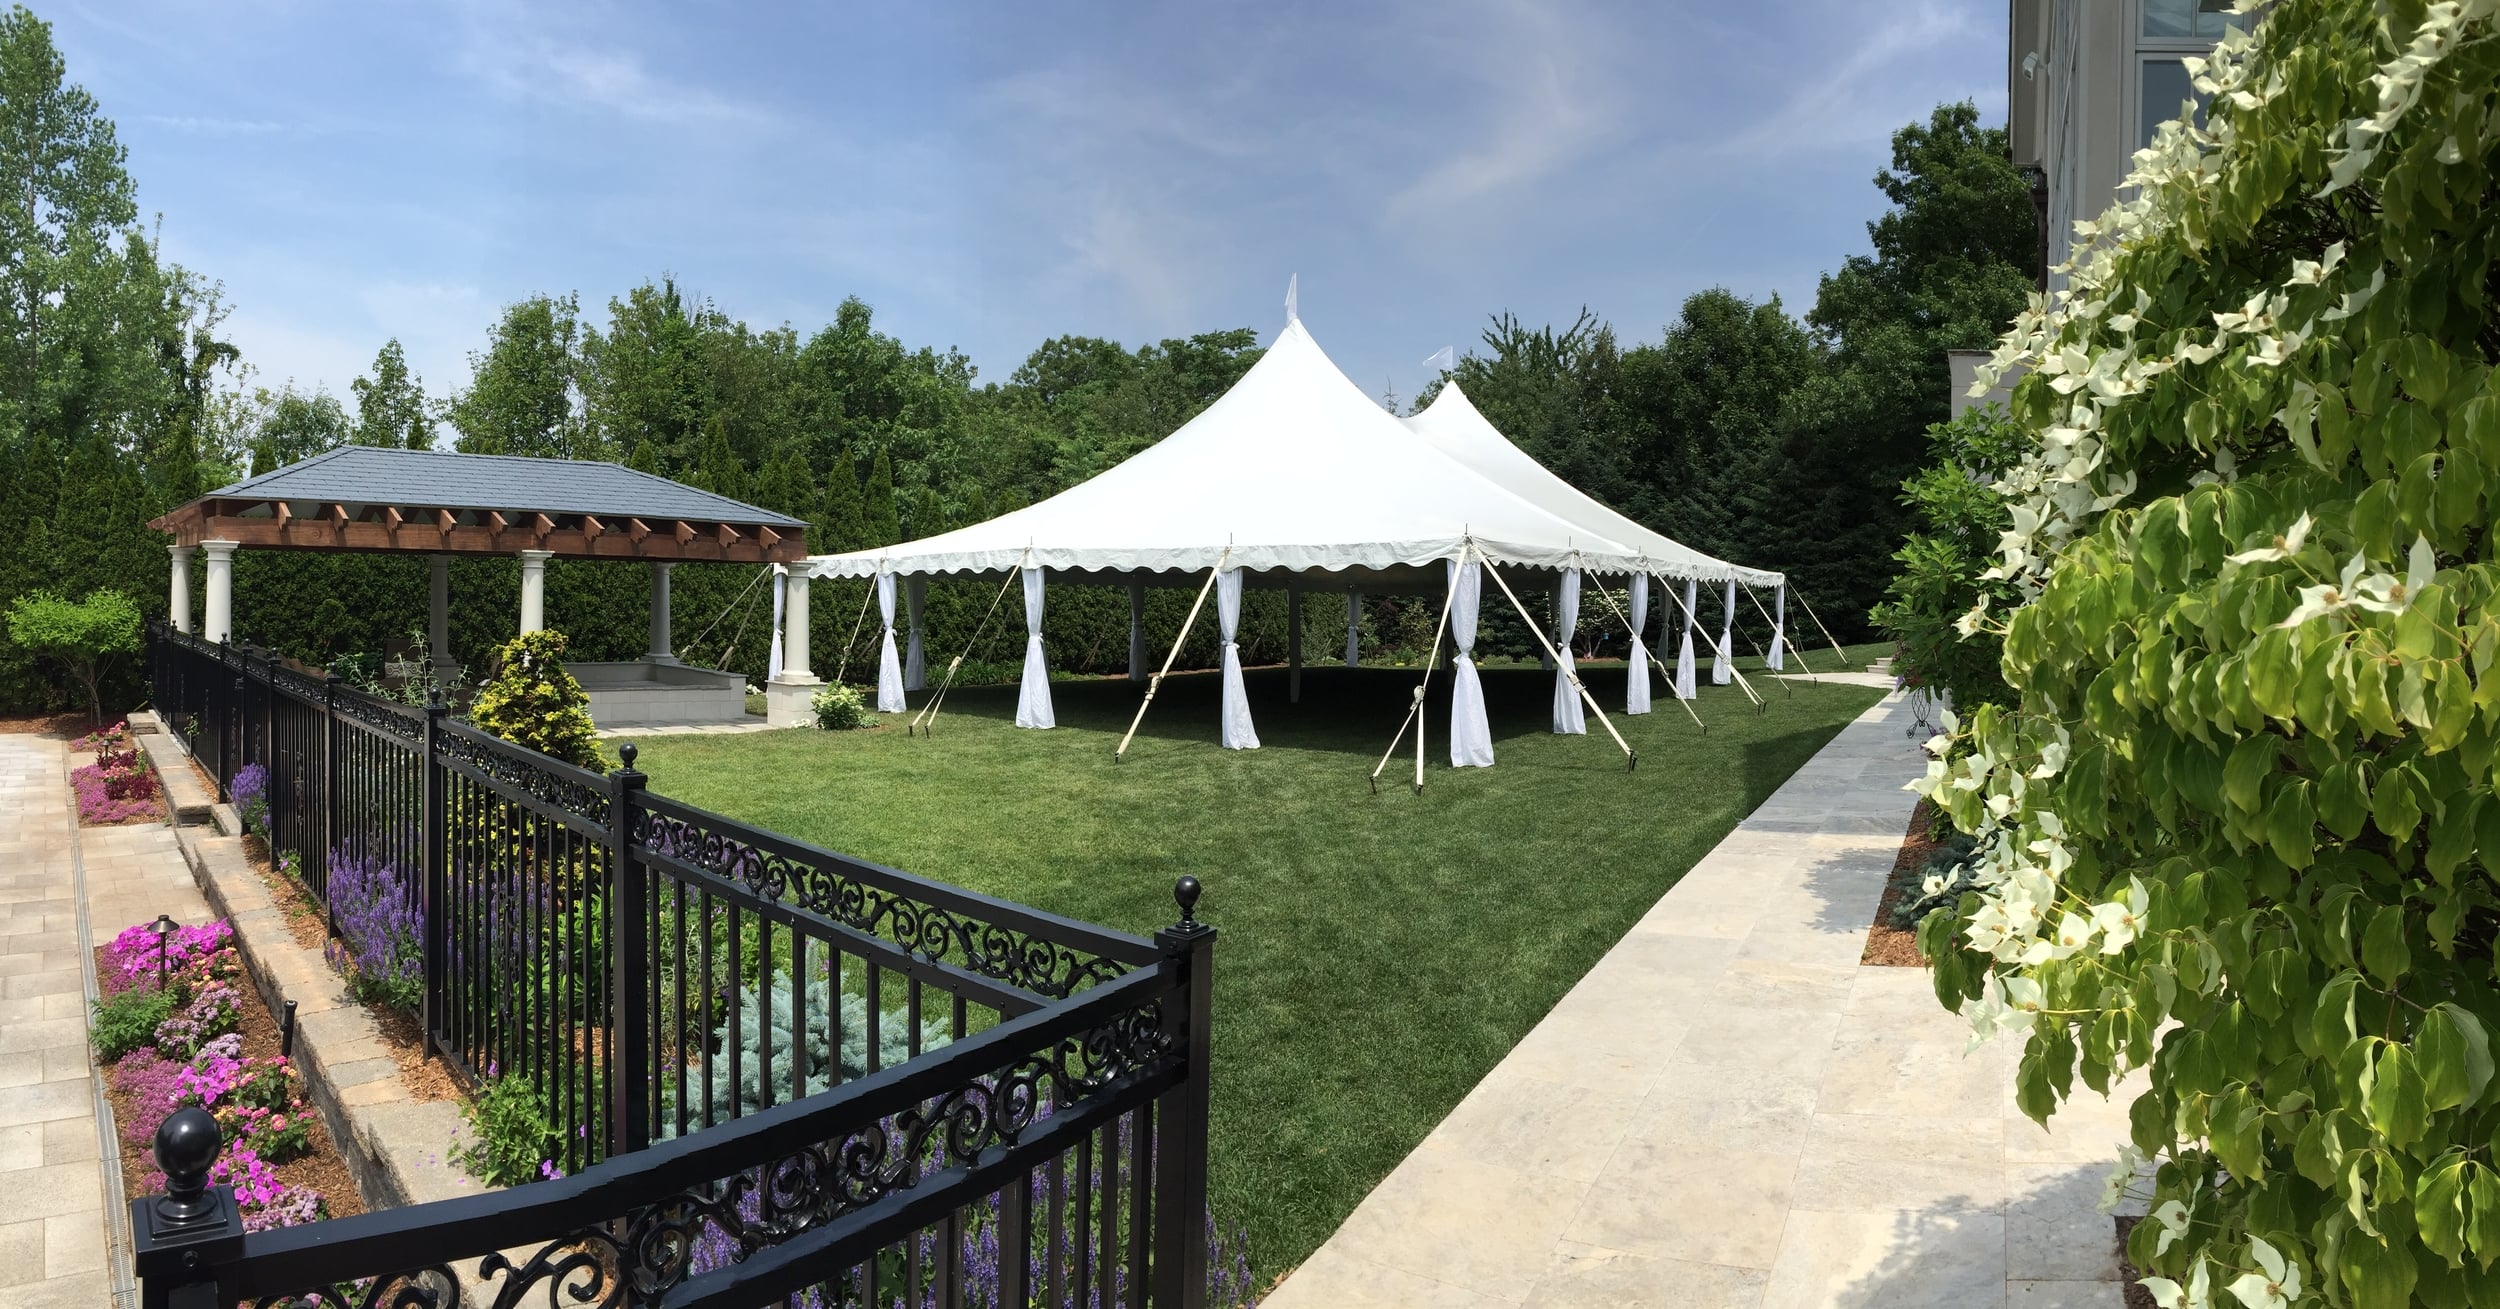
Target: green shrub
{"type": "Point", "coordinates": [840, 707]}
{"type": "Point", "coordinates": [128, 1021]}
{"type": "Point", "coordinates": [85, 637]}
{"type": "Point", "coordinates": [2244, 832]}
{"type": "Point", "coordinates": [744, 1095]}
{"type": "Point", "coordinates": [512, 1140]}
{"type": "Point", "coordinates": [1961, 518]}
{"type": "Point", "coordinates": [532, 702]}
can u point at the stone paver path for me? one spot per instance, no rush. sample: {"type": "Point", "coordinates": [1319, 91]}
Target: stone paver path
{"type": "Point", "coordinates": [1729, 1110]}
{"type": "Point", "coordinates": [53, 1218]}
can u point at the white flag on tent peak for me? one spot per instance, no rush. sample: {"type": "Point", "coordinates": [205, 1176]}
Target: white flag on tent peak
{"type": "Point", "coordinates": [1443, 359]}
{"type": "Point", "coordinates": [1293, 283]}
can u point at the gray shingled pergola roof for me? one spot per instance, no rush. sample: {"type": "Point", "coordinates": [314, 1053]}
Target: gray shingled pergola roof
{"type": "Point", "coordinates": [438, 479]}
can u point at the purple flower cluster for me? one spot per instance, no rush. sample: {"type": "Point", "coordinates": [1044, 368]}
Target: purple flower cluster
{"type": "Point", "coordinates": [265, 1201]}
{"type": "Point", "coordinates": [212, 1013]}
{"type": "Point", "coordinates": [131, 959]}
{"type": "Point", "coordinates": [250, 792]}
{"type": "Point", "coordinates": [148, 1079]}
{"type": "Point", "coordinates": [381, 942]}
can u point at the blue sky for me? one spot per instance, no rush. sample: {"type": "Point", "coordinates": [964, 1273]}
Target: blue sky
{"type": "Point", "coordinates": [989, 175]}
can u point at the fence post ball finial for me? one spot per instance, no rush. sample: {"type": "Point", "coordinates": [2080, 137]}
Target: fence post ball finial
{"type": "Point", "coordinates": [626, 752]}
{"type": "Point", "coordinates": [186, 1144]}
{"type": "Point", "coordinates": [1185, 894]}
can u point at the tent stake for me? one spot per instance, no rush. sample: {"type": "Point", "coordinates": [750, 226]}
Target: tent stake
{"type": "Point", "coordinates": [1155, 683]}
{"type": "Point", "coordinates": [1695, 620]}
{"type": "Point", "coordinates": [1624, 619]}
{"type": "Point", "coordinates": [1630, 760]}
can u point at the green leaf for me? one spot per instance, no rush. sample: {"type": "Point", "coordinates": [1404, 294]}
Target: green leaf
{"type": "Point", "coordinates": [2383, 948]}
{"type": "Point", "coordinates": [2439, 1204]}
{"type": "Point", "coordinates": [2454, 1054]}
{"type": "Point", "coordinates": [2344, 800]}
{"type": "Point", "coordinates": [2331, 1024]}
{"type": "Point", "coordinates": [2378, 1276]}
{"type": "Point", "coordinates": [2452, 835]}
{"type": "Point", "coordinates": [2482, 1227]}
{"type": "Point", "coordinates": [2292, 824]}
{"type": "Point", "coordinates": [2394, 1098]}
{"type": "Point", "coordinates": [2244, 774]}
{"type": "Point", "coordinates": [2396, 803]}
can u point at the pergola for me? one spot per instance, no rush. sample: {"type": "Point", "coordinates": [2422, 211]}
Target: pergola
{"type": "Point", "coordinates": [437, 503]}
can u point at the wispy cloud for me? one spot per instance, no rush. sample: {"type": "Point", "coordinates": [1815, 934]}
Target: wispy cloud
{"type": "Point", "coordinates": [524, 62]}
{"type": "Point", "coordinates": [214, 126]}
{"type": "Point", "coordinates": [1544, 98]}
{"type": "Point", "coordinates": [1854, 101]}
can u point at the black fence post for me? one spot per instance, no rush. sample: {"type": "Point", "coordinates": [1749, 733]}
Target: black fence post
{"type": "Point", "coordinates": [1180, 1247]}
{"type": "Point", "coordinates": [184, 1240]}
{"type": "Point", "coordinates": [629, 972]}
{"type": "Point", "coordinates": [435, 896]}
{"type": "Point", "coordinates": [230, 758]}
{"type": "Point", "coordinates": [333, 742]}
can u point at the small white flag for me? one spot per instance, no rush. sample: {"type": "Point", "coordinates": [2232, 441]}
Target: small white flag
{"type": "Point", "coordinates": [1443, 359]}
{"type": "Point", "coordinates": [1291, 283]}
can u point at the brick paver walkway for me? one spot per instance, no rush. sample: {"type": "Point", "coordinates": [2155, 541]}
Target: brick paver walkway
{"type": "Point", "coordinates": [1730, 1111]}
{"type": "Point", "coordinates": [53, 1221]}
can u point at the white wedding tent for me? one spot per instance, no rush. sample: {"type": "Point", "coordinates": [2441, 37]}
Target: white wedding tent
{"type": "Point", "coordinates": [1454, 426]}
{"type": "Point", "coordinates": [1292, 479]}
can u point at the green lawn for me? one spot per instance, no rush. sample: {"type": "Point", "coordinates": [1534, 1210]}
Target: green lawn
{"type": "Point", "coordinates": [1379, 952]}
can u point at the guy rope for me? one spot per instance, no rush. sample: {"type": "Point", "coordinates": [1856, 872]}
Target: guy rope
{"type": "Point", "coordinates": [925, 721]}
{"type": "Point", "coordinates": [1620, 617]}
{"type": "Point", "coordinates": [1774, 625]}
{"type": "Point", "coordinates": [1818, 626]}
{"type": "Point", "coordinates": [1694, 620]}
{"type": "Point", "coordinates": [1415, 710]}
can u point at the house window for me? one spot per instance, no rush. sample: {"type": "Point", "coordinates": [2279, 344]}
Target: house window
{"type": "Point", "coordinates": [2165, 86]}
{"type": "Point", "coordinates": [2187, 20]}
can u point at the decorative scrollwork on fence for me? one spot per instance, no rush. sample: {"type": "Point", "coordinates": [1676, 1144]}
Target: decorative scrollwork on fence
{"type": "Point", "coordinates": [508, 769]}
{"type": "Point", "coordinates": [1015, 956]}
{"type": "Point", "coordinates": [368, 712]}
{"type": "Point", "coordinates": [435, 1287]}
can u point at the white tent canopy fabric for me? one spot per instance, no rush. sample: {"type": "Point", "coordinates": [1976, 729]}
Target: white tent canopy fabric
{"type": "Point", "coordinates": [1296, 470]}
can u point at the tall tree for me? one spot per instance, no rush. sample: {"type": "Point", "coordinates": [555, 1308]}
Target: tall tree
{"type": "Point", "coordinates": [643, 379]}
{"type": "Point", "coordinates": [883, 526]}
{"type": "Point", "coordinates": [295, 425]}
{"type": "Point", "coordinates": [842, 524]}
{"type": "Point", "coordinates": [391, 408]}
{"type": "Point", "coordinates": [1955, 258]}
{"type": "Point", "coordinates": [525, 394]}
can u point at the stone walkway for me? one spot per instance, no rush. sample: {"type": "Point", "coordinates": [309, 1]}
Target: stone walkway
{"type": "Point", "coordinates": [54, 1221]}
{"type": "Point", "coordinates": [1729, 1110]}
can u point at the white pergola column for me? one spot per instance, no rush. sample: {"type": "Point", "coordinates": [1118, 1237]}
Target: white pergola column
{"type": "Point", "coordinates": [438, 611]}
{"type": "Point", "coordinates": [534, 590]}
{"type": "Point", "coordinates": [178, 598]}
{"type": "Point", "coordinates": [217, 624]}
{"type": "Point", "coordinates": [788, 698]}
{"type": "Point", "coordinates": [660, 631]}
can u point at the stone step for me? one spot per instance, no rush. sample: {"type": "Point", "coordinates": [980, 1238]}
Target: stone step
{"type": "Point", "coordinates": [185, 794]}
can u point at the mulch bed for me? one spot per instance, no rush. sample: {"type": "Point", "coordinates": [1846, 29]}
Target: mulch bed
{"type": "Point", "coordinates": [1887, 945]}
{"type": "Point", "coordinates": [67, 727]}
{"type": "Point", "coordinates": [2128, 1275]}
{"type": "Point", "coordinates": [425, 1076]}
{"type": "Point", "coordinates": [321, 1169]}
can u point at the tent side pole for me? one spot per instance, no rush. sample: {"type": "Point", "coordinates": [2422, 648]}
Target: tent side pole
{"type": "Point", "coordinates": [1742, 682]}
{"type": "Point", "coordinates": [1155, 683]}
{"type": "Point", "coordinates": [1626, 620]}
{"type": "Point", "coordinates": [926, 719]}
{"type": "Point", "coordinates": [1818, 626]}
{"type": "Point", "coordinates": [1774, 624]}
{"type": "Point", "coordinates": [1630, 759]}
{"type": "Point", "coordinates": [1415, 710]}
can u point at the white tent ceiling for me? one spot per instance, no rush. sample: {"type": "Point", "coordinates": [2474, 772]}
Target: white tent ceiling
{"type": "Point", "coordinates": [1296, 469]}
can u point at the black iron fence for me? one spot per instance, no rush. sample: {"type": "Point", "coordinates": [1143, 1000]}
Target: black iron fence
{"type": "Point", "coordinates": [769, 1070]}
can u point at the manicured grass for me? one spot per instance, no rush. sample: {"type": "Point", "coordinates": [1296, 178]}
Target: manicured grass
{"type": "Point", "coordinates": [1379, 953]}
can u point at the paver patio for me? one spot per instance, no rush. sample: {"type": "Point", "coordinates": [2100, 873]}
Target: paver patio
{"type": "Point", "coordinates": [53, 1220]}
{"type": "Point", "coordinates": [1729, 1110]}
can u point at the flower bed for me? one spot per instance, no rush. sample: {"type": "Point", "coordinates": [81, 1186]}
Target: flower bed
{"type": "Point", "coordinates": [118, 787]}
{"type": "Point", "coordinates": [202, 1037]}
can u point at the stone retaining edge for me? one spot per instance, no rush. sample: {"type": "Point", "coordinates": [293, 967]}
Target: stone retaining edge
{"type": "Point", "coordinates": [397, 1148]}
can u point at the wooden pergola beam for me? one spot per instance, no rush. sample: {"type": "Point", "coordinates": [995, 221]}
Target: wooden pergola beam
{"type": "Point", "coordinates": [273, 524]}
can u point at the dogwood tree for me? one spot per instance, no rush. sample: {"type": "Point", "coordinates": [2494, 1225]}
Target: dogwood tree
{"type": "Point", "coordinates": [2238, 829]}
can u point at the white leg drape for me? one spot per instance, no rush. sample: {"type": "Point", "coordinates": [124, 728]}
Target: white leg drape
{"type": "Point", "coordinates": [1723, 661]}
{"type": "Point", "coordinates": [1353, 628]}
{"type": "Point", "coordinates": [772, 658]}
{"type": "Point", "coordinates": [1238, 733]}
{"type": "Point", "coordinates": [1779, 628]}
{"type": "Point", "coordinates": [1569, 718]}
{"type": "Point", "coordinates": [1471, 733]}
{"type": "Point", "coordinates": [1137, 631]}
{"type": "Point", "coordinates": [889, 663]}
{"type": "Point", "coordinates": [1033, 696]}
{"type": "Point", "coordinates": [915, 658]}
{"type": "Point", "coordinates": [1636, 692]}
{"type": "Point", "coordinates": [1685, 689]}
